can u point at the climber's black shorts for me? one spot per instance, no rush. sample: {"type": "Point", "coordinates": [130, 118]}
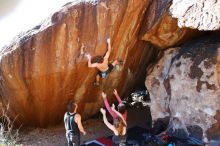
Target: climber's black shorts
{"type": "Point", "coordinates": [105, 73]}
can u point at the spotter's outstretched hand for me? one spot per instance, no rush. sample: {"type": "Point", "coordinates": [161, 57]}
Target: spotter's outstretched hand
{"type": "Point", "coordinates": [115, 92]}
{"type": "Point", "coordinates": [102, 111]}
{"type": "Point", "coordinates": [104, 95]}
{"type": "Point", "coordinates": [113, 106]}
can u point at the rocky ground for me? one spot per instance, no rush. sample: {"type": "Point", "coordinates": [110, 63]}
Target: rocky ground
{"type": "Point", "coordinates": [55, 136]}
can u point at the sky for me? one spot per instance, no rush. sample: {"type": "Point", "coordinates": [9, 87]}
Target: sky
{"type": "Point", "coordinates": [21, 15]}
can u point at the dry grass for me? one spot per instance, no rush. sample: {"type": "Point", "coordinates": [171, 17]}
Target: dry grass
{"type": "Point", "coordinates": [8, 135]}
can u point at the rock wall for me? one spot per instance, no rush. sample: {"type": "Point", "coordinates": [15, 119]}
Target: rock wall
{"type": "Point", "coordinates": [46, 67]}
{"type": "Point", "coordinates": [161, 29]}
{"type": "Point", "coordinates": [184, 83]}
{"type": "Point", "coordinates": [197, 14]}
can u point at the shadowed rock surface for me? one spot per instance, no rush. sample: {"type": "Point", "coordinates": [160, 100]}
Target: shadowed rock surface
{"type": "Point", "coordinates": [184, 83]}
{"type": "Point", "coordinates": [161, 29]}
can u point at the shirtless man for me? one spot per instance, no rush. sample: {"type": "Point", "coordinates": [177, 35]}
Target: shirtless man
{"type": "Point", "coordinates": [102, 64]}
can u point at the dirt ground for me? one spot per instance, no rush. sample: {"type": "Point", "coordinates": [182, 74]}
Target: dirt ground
{"type": "Point", "coordinates": [95, 128]}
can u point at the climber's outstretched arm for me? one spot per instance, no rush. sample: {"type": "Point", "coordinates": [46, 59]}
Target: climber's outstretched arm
{"type": "Point", "coordinates": [109, 49]}
{"type": "Point", "coordinates": [90, 64]}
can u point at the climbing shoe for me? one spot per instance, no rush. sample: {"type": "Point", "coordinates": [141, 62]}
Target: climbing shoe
{"type": "Point", "coordinates": [95, 83]}
{"type": "Point", "coordinates": [120, 62]}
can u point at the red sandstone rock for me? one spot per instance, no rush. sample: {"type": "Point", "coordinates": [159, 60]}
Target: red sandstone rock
{"type": "Point", "coordinates": [46, 67]}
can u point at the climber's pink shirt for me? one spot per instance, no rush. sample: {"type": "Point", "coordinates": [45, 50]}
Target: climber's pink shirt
{"type": "Point", "coordinates": [112, 113]}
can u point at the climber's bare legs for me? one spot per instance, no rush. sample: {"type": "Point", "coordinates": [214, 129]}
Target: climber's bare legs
{"type": "Point", "coordinates": [117, 62]}
{"type": "Point", "coordinates": [111, 66]}
{"type": "Point", "coordinates": [97, 79]}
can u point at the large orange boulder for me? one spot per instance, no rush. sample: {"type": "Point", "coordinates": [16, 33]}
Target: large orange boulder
{"type": "Point", "coordinates": [46, 67]}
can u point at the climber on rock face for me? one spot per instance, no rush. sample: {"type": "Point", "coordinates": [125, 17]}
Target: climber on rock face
{"type": "Point", "coordinates": [102, 64]}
